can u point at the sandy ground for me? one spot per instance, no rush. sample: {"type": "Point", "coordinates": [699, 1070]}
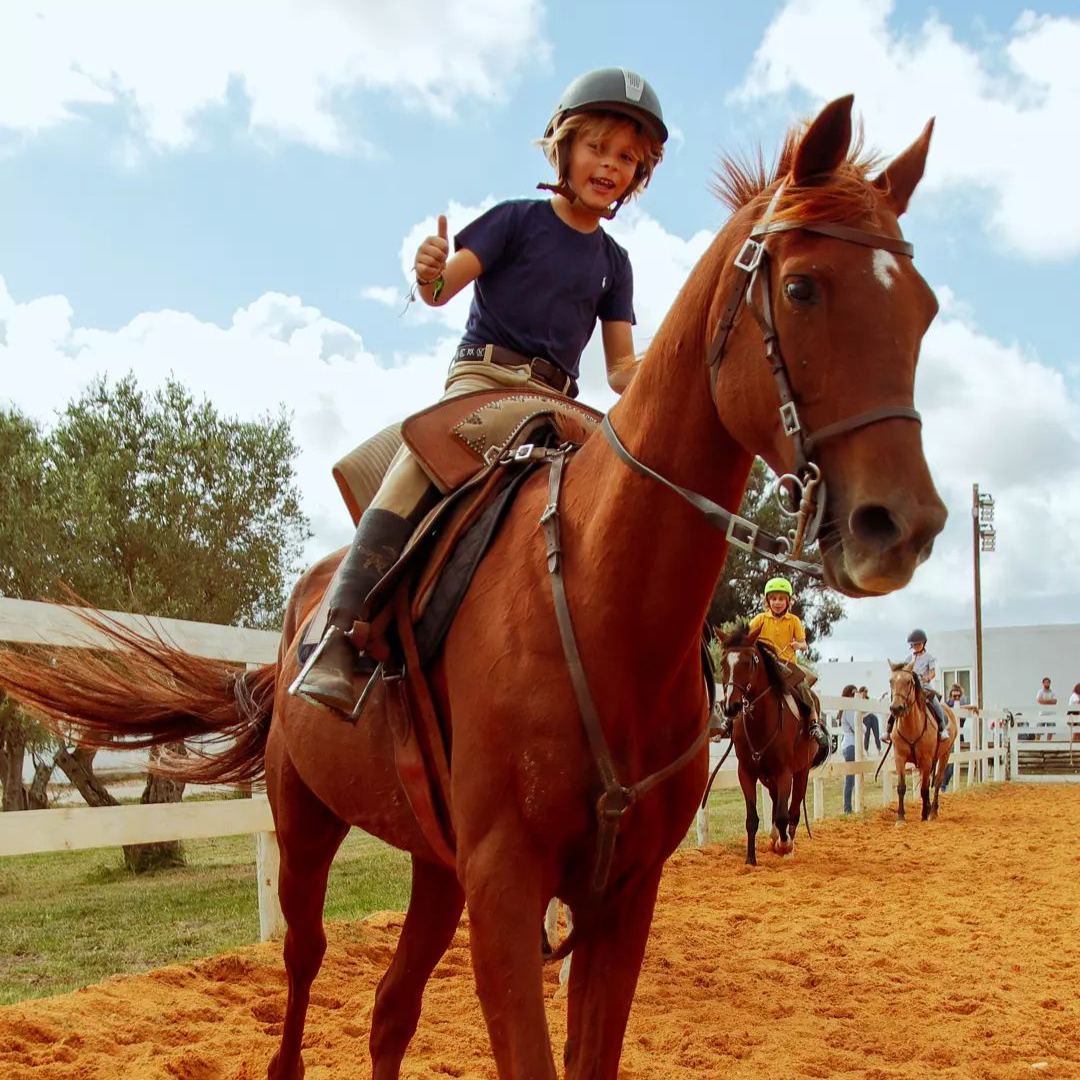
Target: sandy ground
{"type": "Point", "coordinates": [947, 950]}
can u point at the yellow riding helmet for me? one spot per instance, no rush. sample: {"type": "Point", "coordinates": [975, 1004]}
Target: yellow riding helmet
{"type": "Point", "coordinates": [779, 584]}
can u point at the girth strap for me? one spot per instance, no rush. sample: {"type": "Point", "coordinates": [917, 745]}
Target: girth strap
{"type": "Point", "coordinates": [616, 798]}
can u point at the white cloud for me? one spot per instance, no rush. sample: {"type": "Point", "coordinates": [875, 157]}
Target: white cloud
{"type": "Point", "coordinates": [995, 415]}
{"type": "Point", "coordinates": [171, 60]}
{"type": "Point", "coordinates": [1006, 108]}
{"type": "Point", "coordinates": [274, 350]}
{"type": "Point", "coordinates": [386, 295]}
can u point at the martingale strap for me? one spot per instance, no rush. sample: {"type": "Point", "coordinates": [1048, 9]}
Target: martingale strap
{"type": "Point", "coordinates": [616, 798]}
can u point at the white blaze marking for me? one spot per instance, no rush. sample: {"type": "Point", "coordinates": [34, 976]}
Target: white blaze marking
{"type": "Point", "coordinates": [730, 679]}
{"type": "Point", "coordinates": [885, 265]}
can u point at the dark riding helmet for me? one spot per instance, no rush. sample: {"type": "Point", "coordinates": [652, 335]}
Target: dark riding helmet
{"type": "Point", "coordinates": [616, 90]}
{"type": "Point", "coordinates": [917, 637]}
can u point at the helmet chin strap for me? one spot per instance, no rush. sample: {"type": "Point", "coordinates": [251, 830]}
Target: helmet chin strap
{"type": "Point", "coordinates": [564, 189]}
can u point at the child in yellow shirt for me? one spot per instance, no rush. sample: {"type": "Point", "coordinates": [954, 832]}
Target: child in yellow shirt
{"type": "Point", "coordinates": [783, 630]}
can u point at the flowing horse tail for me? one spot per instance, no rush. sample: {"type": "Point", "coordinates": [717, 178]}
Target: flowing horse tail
{"type": "Point", "coordinates": [143, 692]}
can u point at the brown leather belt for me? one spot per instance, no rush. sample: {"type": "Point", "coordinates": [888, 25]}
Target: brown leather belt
{"type": "Point", "coordinates": [550, 374]}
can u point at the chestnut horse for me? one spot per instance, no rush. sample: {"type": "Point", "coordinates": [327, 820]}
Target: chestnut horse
{"type": "Point", "coordinates": [816, 252]}
{"type": "Point", "coordinates": [769, 735]}
{"type": "Point", "coordinates": [915, 739]}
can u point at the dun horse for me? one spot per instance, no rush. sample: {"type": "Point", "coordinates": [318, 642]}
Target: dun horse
{"type": "Point", "coordinates": [915, 739]}
{"type": "Point", "coordinates": [816, 252]}
{"type": "Point", "coordinates": [771, 743]}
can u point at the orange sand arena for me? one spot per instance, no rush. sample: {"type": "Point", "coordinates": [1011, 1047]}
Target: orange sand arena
{"type": "Point", "coordinates": [949, 950]}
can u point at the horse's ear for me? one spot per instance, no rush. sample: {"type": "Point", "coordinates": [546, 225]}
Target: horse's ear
{"type": "Point", "coordinates": [753, 635]}
{"type": "Point", "coordinates": [826, 142]}
{"type": "Point", "coordinates": [899, 181]}
{"type": "Point", "coordinates": [894, 667]}
{"type": "Point", "coordinates": [910, 666]}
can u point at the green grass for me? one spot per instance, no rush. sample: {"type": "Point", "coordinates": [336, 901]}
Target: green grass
{"type": "Point", "coordinates": [74, 918]}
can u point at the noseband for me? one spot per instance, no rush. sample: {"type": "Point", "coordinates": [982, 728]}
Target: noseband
{"type": "Point", "coordinates": [801, 494]}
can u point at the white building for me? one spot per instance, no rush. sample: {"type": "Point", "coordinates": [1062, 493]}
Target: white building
{"type": "Point", "coordinates": [1015, 660]}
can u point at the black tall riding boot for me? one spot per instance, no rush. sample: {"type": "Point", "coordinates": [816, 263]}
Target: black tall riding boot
{"type": "Point", "coordinates": [328, 677]}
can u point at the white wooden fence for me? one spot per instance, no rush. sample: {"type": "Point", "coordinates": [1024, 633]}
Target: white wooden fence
{"type": "Point", "coordinates": [74, 828]}
{"type": "Point", "coordinates": [981, 757]}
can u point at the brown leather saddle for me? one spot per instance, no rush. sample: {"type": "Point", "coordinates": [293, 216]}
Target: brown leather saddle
{"type": "Point", "coordinates": [477, 449]}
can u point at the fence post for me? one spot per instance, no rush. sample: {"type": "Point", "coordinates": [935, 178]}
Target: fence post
{"type": "Point", "coordinates": [702, 826]}
{"type": "Point", "coordinates": [999, 751]}
{"type": "Point", "coordinates": [819, 798]}
{"type": "Point", "coordinates": [267, 865]}
{"type": "Point", "coordinates": [860, 755]}
{"type": "Point", "coordinates": [766, 809]}
{"type": "Point", "coordinates": [1014, 755]}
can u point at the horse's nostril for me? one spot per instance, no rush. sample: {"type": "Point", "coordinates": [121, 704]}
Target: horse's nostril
{"type": "Point", "coordinates": [873, 524]}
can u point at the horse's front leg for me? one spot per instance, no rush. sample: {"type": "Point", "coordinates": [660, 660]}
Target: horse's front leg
{"type": "Point", "coordinates": [924, 792]}
{"type": "Point", "coordinates": [782, 844]}
{"type": "Point", "coordinates": [901, 789]}
{"type": "Point", "coordinates": [749, 790]}
{"type": "Point", "coordinates": [505, 897]}
{"type": "Point", "coordinates": [604, 976]}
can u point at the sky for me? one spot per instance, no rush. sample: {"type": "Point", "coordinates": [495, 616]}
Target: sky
{"type": "Point", "coordinates": [230, 193]}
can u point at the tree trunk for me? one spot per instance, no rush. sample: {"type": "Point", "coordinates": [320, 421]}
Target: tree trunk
{"type": "Point", "coordinates": [78, 767]}
{"type": "Point", "coordinates": [140, 858]}
{"type": "Point", "coordinates": [38, 794]}
{"type": "Point", "coordinates": [12, 755]}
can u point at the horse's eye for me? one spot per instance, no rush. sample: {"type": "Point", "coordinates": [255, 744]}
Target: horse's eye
{"type": "Point", "coordinates": [800, 290]}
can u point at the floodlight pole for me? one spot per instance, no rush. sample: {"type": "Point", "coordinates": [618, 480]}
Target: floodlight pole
{"type": "Point", "coordinates": [976, 543]}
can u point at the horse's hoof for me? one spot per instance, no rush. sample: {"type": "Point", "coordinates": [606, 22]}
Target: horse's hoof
{"type": "Point", "coordinates": [900, 822]}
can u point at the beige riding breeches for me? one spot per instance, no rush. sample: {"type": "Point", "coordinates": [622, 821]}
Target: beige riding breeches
{"type": "Point", "coordinates": [406, 489]}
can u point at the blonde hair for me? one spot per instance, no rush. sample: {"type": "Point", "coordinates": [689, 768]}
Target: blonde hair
{"type": "Point", "coordinates": [600, 124]}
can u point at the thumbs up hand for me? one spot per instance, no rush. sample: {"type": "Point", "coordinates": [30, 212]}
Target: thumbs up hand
{"type": "Point", "coordinates": [432, 254]}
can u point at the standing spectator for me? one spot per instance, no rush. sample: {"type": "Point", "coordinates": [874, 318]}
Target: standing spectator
{"type": "Point", "coordinates": [847, 744]}
{"type": "Point", "coordinates": [1074, 699]}
{"type": "Point", "coordinates": [1046, 696]}
{"type": "Point", "coordinates": [871, 725]}
{"type": "Point", "coordinates": [957, 698]}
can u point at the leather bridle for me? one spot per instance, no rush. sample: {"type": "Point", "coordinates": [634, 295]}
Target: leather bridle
{"type": "Point", "coordinates": [801, 493]}
{"type": "Point", "coordinates": [747, 703]}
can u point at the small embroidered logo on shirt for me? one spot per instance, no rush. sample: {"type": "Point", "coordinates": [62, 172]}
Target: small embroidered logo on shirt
{"type": "Point", "coordinates": [603, 284]}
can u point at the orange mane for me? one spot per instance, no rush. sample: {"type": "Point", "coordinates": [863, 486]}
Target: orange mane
{"type": "Point", "coordinates": [843, 195]}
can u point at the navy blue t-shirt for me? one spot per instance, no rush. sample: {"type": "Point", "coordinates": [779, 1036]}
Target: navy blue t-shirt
{"type": "Point", "coordinates": [544, 284]}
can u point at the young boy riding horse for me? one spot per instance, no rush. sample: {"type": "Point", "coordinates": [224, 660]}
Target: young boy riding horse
{"type": "Point", "coordinates": [923, 665]}
{"type": "Point", "coordinates": [545, 273]}
{"type": "Point", "coordinates": [783, 630]}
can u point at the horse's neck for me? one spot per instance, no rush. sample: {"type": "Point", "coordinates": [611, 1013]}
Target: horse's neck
{"type": "Point", "coordinates": [915, 719]}
{"type": "Point", "coordinates": [655, 556]}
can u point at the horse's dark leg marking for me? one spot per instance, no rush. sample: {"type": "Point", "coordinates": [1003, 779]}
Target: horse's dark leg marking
{"type": "Point", "coordinates": [749, 790]}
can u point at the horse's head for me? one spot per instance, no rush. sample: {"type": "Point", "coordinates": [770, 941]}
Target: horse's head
{"type": "Point", "coordinates": [744, 672]}
{"type": "Point", "coordinates": [904, 689]}
{"type": "Point", "coordinates": [839, 312]}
